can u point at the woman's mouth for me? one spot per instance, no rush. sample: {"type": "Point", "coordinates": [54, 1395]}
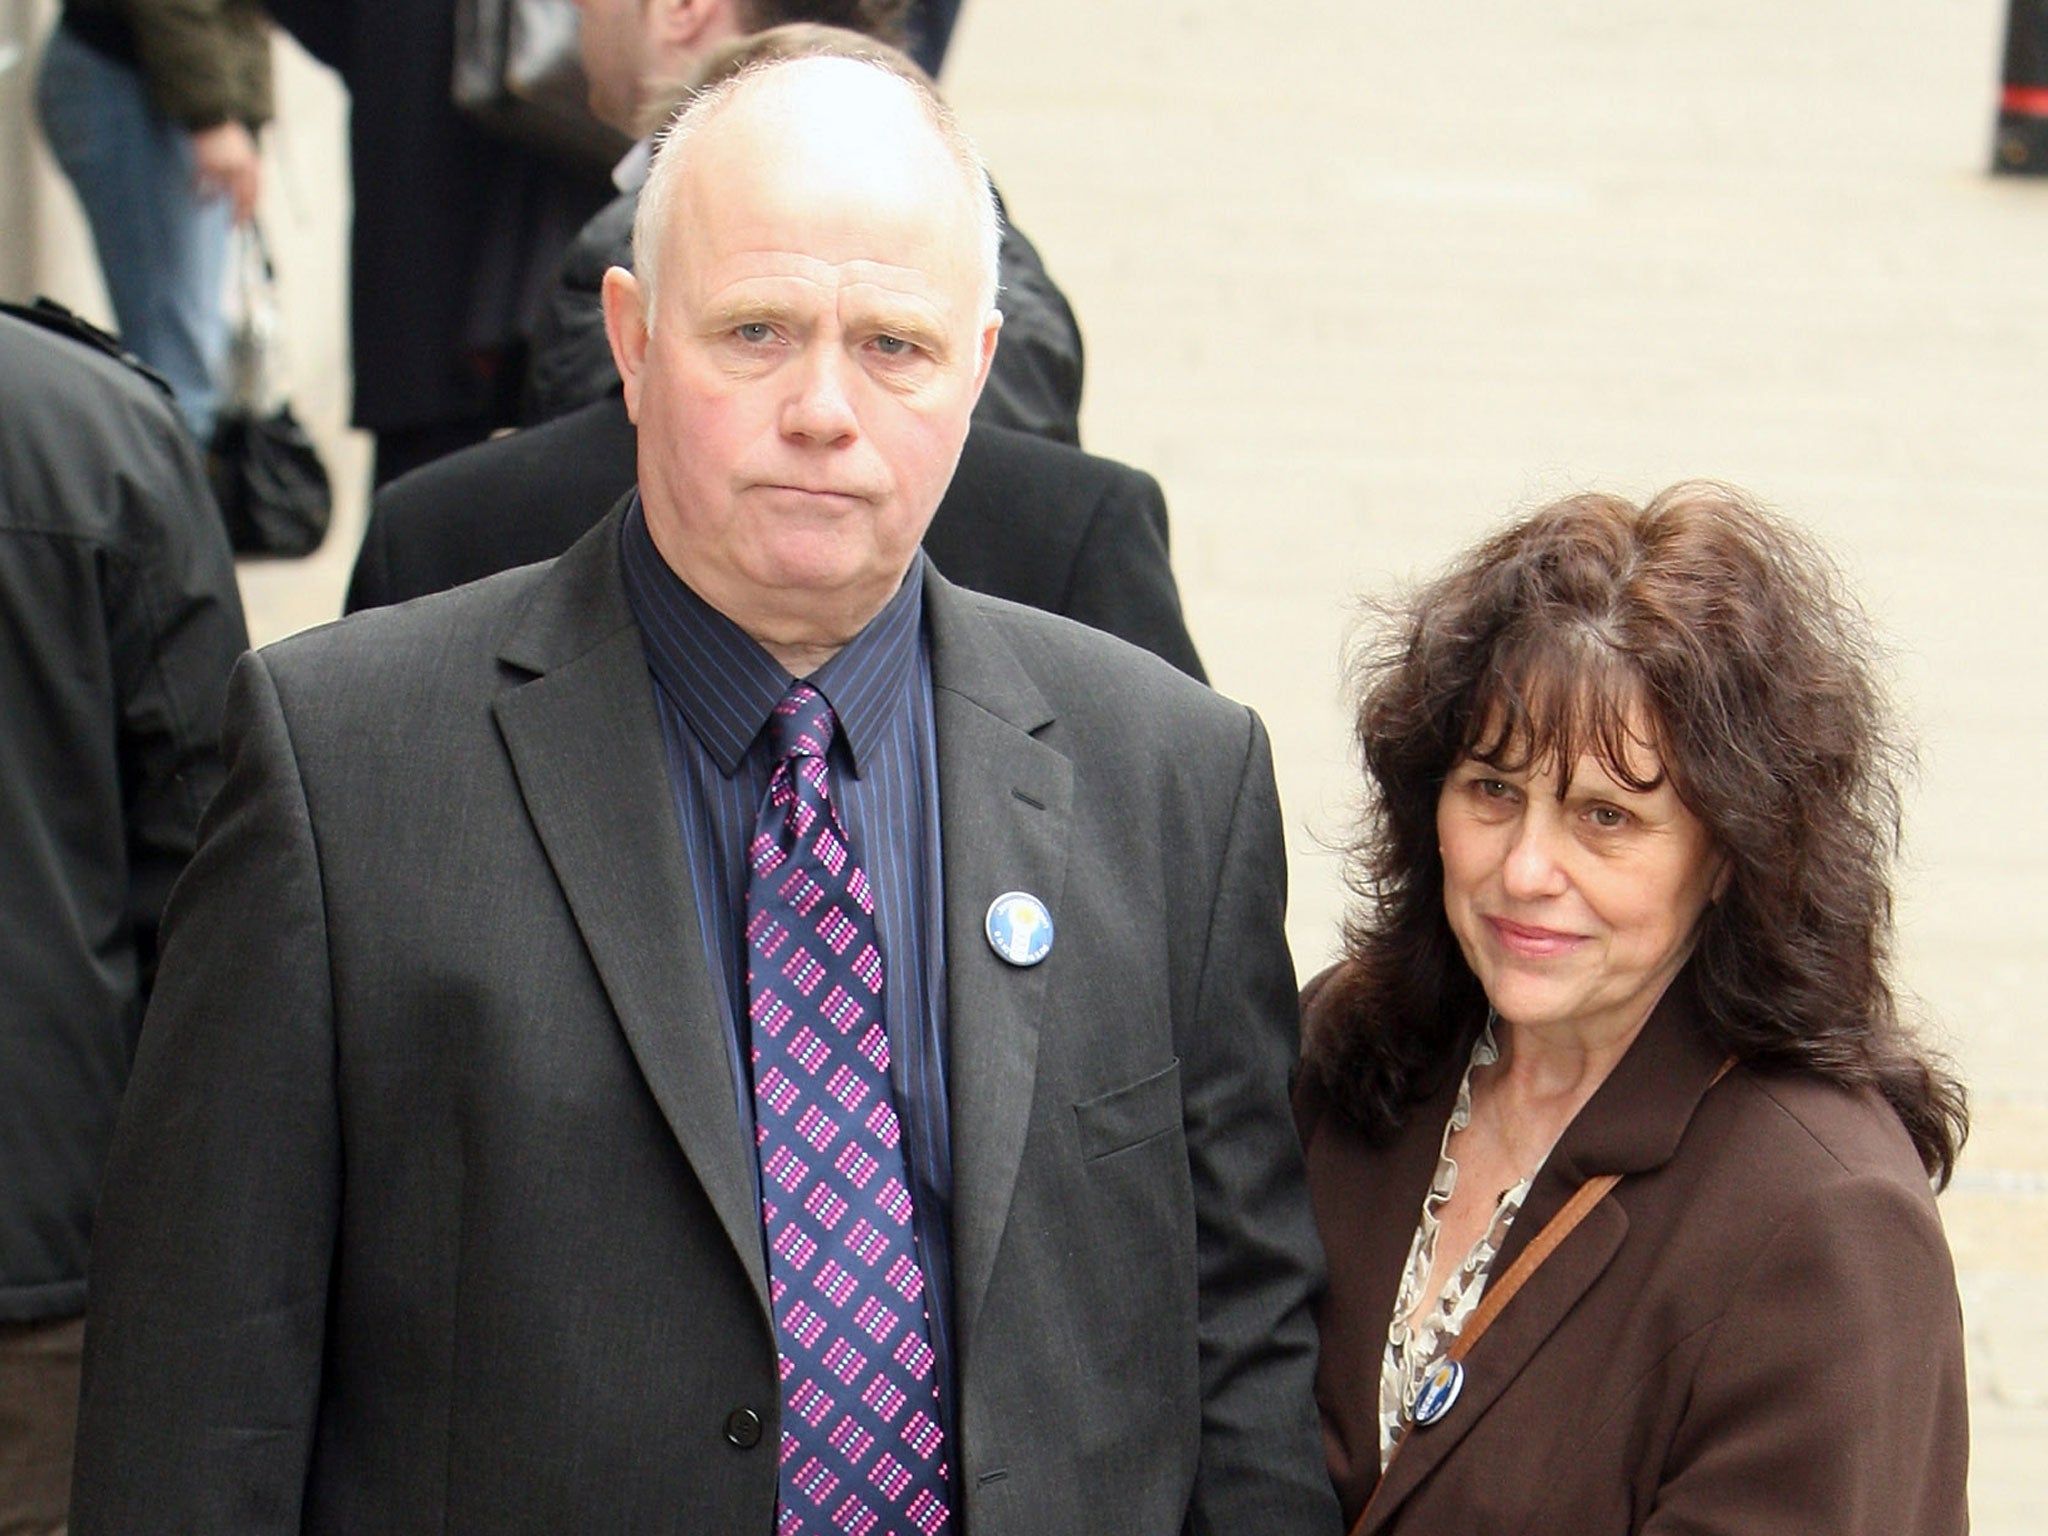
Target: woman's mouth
{"type": "Point", "coordinates": [1530, 942]}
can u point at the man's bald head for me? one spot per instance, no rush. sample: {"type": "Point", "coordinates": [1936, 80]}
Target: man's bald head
{"type": "Point", "coordinates": [826, 245]}
{"type": "Point", "coordinates": [858, 118]}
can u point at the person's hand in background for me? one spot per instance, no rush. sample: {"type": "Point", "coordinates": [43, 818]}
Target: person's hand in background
{"type": "Point", "coordinates": [226, 164]}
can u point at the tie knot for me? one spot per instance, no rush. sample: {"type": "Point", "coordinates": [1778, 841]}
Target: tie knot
{"type": "Point", "coordinates": [802, 724]}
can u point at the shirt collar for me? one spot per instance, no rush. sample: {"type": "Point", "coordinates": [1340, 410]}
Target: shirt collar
{"type": "Point", "coordinates": [725, 684]}
{"type": "Point", "coordinates": [630, 174]}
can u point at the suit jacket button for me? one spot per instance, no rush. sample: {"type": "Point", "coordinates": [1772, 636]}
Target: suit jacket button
{"type": "Point", "coordinates": [743, 1428]}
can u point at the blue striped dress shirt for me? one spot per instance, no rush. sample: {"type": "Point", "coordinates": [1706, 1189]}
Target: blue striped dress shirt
{"type": "Point", "coordinates": [714, 688]}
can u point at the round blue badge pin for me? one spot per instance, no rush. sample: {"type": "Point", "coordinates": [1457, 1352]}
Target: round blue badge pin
{"type": "Point", "coordinates": [1439, 1391]}
{"type": "Point", "coordinates": [1019, 928]}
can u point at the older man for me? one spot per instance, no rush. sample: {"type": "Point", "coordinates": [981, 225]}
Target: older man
{"type": "Point", "coordinates": [726, 1032]}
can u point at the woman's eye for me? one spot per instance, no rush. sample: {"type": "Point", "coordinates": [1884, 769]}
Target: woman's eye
{"type": "Point", "coordinates": [1494, 789]}
{"type": "Point", "coordinates": [1607, 817]}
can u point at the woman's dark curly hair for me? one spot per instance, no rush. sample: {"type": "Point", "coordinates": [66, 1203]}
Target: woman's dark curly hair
{"type": "Point", "coordinates": [1733, 634]}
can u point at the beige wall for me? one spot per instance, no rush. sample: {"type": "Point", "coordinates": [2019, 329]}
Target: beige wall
{"type": "Point", "coordinates": [32, 241]}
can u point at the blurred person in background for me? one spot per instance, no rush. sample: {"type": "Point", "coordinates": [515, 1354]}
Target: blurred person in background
{"type": "Point", "coordinates": [931, 32]}
{"type": "Point", "coordinates": [456, 236]}
{"type": "Point", "coordinates": [151, 107]}
{"type": "Point", "coordinates": [119, 623]}
{"type": "Point", "coordinates": [1619, 992]}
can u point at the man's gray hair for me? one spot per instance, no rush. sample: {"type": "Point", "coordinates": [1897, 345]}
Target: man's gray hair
{"type": "Point", "coordinates": [651, 215]}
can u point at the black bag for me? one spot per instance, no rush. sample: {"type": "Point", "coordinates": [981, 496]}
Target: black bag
{"type": "Point", "coordinates": [271, 485]}
{"type": "Point", "coordinates": [519, 71]}
{"type": "Point", "coordinates": [269, 481]}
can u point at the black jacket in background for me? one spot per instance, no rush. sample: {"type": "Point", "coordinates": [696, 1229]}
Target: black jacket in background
{"type": "Point", "coordinates": [1034, 385]}
{"type": "Point", "coordinates": [119, 624]}
{"type": "Point", "coordinates": [457, 232]}
{"type": "Point", "coordinates": [1036, 522]}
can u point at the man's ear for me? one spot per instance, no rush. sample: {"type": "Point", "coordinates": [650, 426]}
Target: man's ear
{"type": "Point", "coordinates": [625, 326]}
{"type": "Point", "coordinates": [990, 330]}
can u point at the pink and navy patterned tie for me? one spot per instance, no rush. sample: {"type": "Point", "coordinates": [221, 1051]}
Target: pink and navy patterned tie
{"type": "Point", "coordinates": [862, 1450]}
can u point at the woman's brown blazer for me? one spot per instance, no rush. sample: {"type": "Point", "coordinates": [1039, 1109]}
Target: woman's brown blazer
{"type": "Point", "coordinates": [1756, 1332]}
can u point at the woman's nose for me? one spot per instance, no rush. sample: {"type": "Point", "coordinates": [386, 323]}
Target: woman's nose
{"type": "Point", "coordinates": [1533, 867]}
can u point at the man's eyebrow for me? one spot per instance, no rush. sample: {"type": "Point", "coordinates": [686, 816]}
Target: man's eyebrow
{"type": "Point", "coordinates": [908, 321]}
{"type": "Point", "coordinates": [752, 309]}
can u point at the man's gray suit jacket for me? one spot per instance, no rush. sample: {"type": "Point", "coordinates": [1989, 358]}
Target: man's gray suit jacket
{"type": "Point", "coordinates": [429, 1210]}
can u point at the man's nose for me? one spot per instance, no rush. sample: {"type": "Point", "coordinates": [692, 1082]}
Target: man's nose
{"type": "Point", "coordinates": [820, 407]}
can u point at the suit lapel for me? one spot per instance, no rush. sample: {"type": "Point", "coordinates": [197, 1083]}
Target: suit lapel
{"type": "Point", "coordinates": [585, 744]}
{"type": "Point", "coordinates": [1005, 803]}
{"type": "Point", "coordinates": [1632, 1124]}
{"type": "Point", "coordinates": [1509, 1345]}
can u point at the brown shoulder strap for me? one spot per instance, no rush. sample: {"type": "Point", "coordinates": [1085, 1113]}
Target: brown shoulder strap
{"type": "Point", "coordinates": [1541, 1247]}
{"type": "Point", "coordinates": [1501, 1292]}
{"type": "Point", "coordinates": [1530, 1259]}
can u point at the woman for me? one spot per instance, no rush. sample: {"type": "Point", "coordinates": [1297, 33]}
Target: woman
{"type": "Point", "coordinates": [1625, 930]}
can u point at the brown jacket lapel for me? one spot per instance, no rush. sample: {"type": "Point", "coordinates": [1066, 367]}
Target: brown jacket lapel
{"type": "Point", "coordinates": [1632, 1124]}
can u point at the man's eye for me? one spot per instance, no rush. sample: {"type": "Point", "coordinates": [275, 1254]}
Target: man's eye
{"type": "Point", "coordinates": [754, 332]}
{"type": "Point", "coordinates": [892, 346]}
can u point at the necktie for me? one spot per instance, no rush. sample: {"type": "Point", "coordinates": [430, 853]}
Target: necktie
{"type": "Point", "coordinates": [862, 1450]}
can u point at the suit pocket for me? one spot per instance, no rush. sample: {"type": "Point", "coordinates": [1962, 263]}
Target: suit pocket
{"type": "Point", "coordinates": [1129, 1115]}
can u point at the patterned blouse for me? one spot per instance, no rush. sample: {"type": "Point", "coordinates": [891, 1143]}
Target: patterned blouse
{"type": "Point", "coordinates": [1413, 1352]}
